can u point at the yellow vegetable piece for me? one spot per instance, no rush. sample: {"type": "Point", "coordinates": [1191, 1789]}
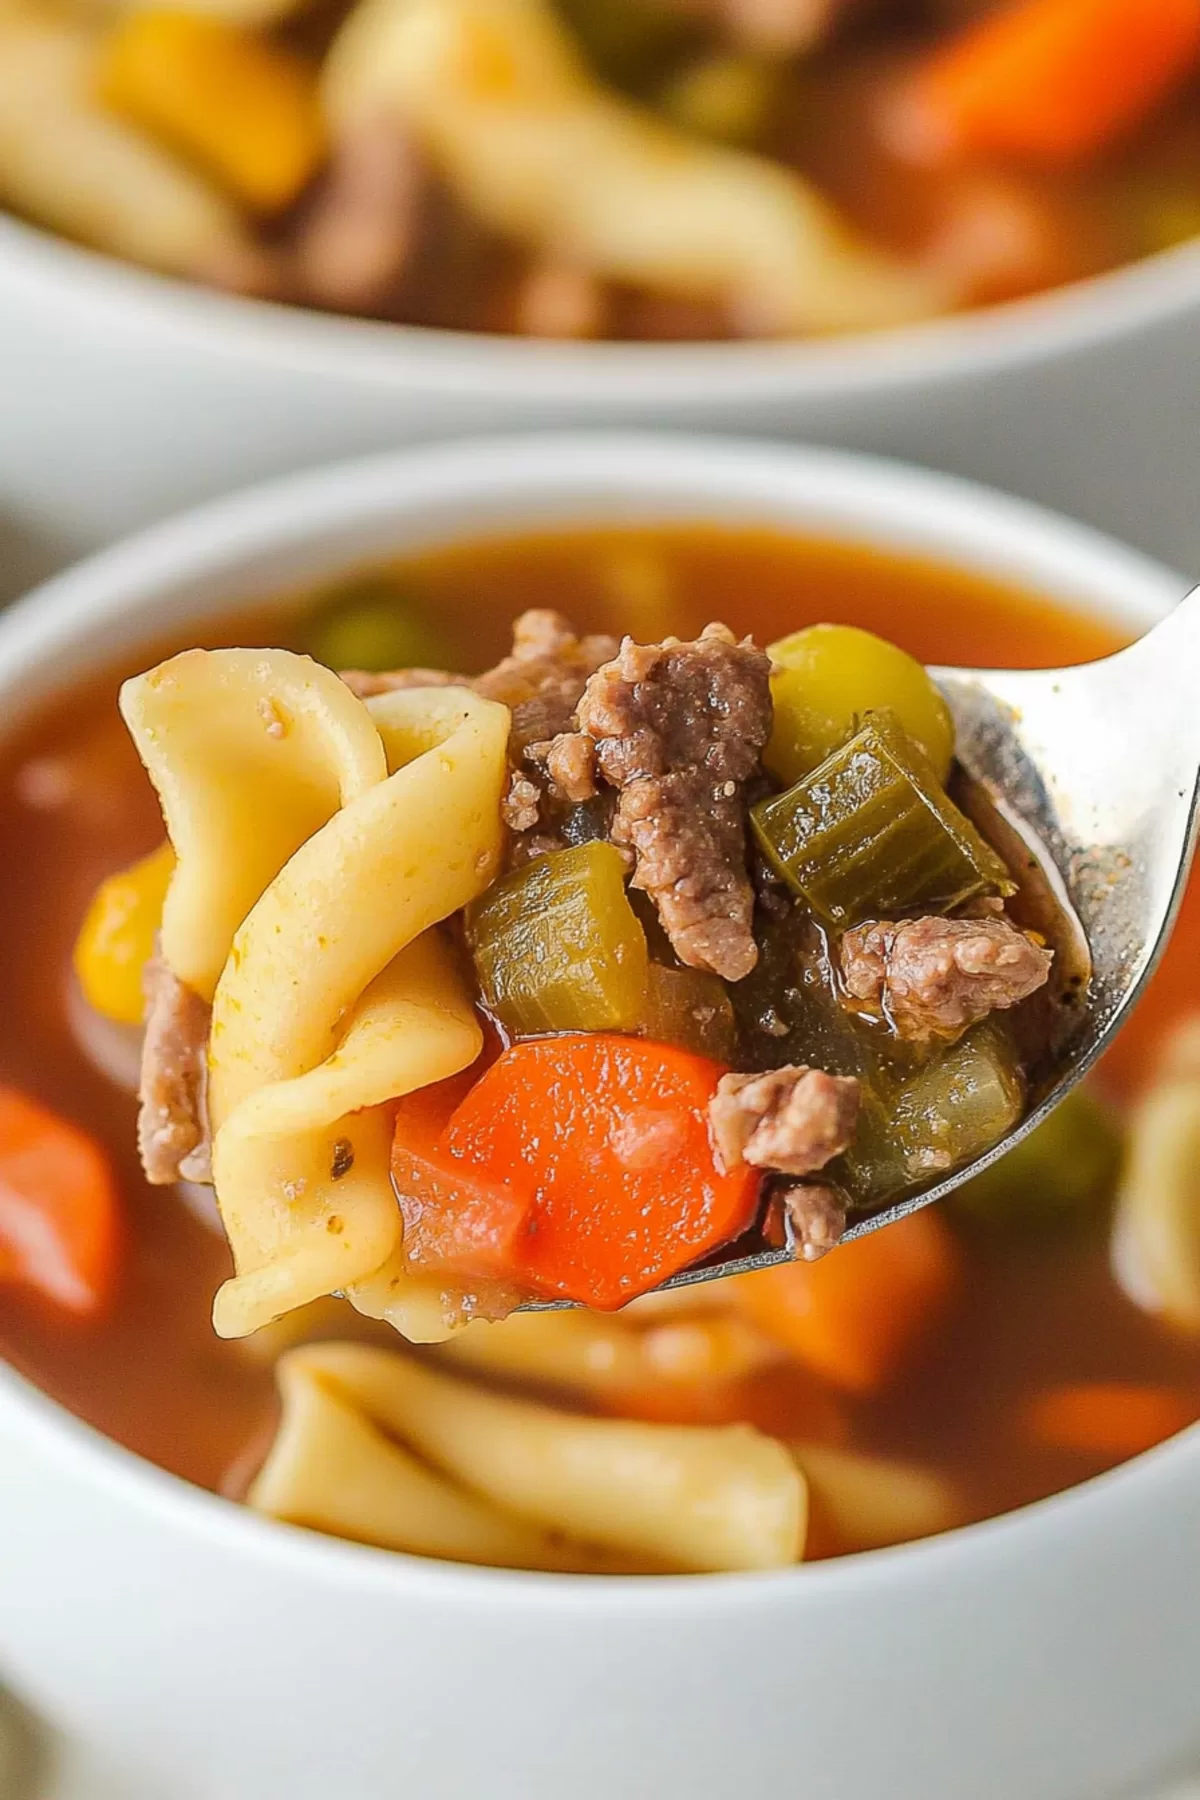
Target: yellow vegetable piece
{"type": "Point", "coordinates": [116, 939]}
{"type": "Point", "coordinates": [244, 109]}
{"type": "Point", "coordinates": [831, 676]}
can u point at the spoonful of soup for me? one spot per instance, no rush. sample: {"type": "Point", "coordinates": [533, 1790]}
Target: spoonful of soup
{"type": "Point", "coordinates": [623, 966]}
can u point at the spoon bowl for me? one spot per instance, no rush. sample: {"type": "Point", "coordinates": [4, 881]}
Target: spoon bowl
{"type": "Point", "coordinates": [1097, 767]}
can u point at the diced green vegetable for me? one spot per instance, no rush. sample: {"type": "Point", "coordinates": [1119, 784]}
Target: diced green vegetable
{"type": "Point", "coordinates": [871, 832]}
{"type": "Point", "coordinates": [960, 1104]}
{"type": "Point", "coordinates": [725, 97]}
{"type": "Point", "coordinates": [831, 677]}
{"type": "Point", "coordinates": [371, 624]}
{"type": "Point", "coordinates": [557, 946]}
{"type": "Point", "coordinates": [692, 1010]}
{"type": "Point", "coordinates": [1061, 1174]}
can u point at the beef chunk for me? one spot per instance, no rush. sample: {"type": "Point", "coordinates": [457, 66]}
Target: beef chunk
{"type": "Point", "coordinates": [678, 729]}
{"type": "Point", "coordinates": [793, 1119]}
{"type": "Point", "coordinates": [932, 978]}
{"type": "Point", "coordinates": [543, 677]}
{"type": "Point", "coordinates": [541, 681]}
{"type": "Point", "coordinates": [520, 806]}
{"type": "Point", "coordinates": [365, 223]}
{"type": "Point", "coordinates": [569, 761]}
{"type": "Point", "coordinates": [173, 1136]}
{"type": "Point", "coordinates": [817, 1211]}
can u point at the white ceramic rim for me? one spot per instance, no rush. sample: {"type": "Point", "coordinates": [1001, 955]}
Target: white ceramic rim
{"type": "Point", "coordinates": [101, 292]}
{"type": "Point", "coordinates": [79, 618]}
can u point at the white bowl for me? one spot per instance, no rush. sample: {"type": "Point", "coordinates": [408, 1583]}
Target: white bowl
{"type": "Point", "coordinates": [126, 395]}
{"type": "Point", "coordinates": [1048, 1655]}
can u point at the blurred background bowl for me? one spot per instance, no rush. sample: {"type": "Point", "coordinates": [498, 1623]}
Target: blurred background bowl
{"type": "Point", "coordinates": [124, 395]}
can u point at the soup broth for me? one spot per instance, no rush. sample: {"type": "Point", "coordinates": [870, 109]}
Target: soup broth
{"type": "Point", "coordinates": [1035, 1308]}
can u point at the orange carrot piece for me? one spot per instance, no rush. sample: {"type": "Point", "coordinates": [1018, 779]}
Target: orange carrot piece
{"type": "Point", "coordinates": [457, 1223]}
{"type": "Point", "coordinates": [59, 1210]}
{"type": "Point", "coordinates": [1114, 1419]}
{"type": "Point", "coordinates": [610, 1136]}
{"type": "Point", "coordinates": [1052, 81]}
{"type": "Point", "coordinates": [857, 1316]}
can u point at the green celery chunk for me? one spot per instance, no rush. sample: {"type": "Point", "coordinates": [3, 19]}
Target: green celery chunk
{"type": "Point", "coordinates": [1062, 1174]}
{"type": "Point", "coordinates": [691, 1009]}
{"type": "Point", "coordinates": [557, 946]}
{"type": "Point", "coordinates": [959, 1104]}
{"type": "Point", "coordinates": [871, 832]}
{"type": "Point", "coordinates": [372, 624]}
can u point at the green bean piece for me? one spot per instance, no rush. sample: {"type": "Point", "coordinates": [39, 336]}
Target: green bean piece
{"type": "Point", "coordinates": [557, 946]}
{"type": "Point", "coordinates": [1060, 1176]}
{"type": "Point", "coordinates": [959, 1104]}
{"type": "Point", "coordinates": [828, 678]}
{"type": "Point", "coordinates": [871, 832]}
{"type": "Point", "coordinates": [691, 1009]}
{"type": "Point", "coordinates": [371, 624]}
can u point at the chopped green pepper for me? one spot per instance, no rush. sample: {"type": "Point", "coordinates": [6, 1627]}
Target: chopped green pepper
{"type": "Point", "coordinates": [691, 1009]}
{"type": "Point", "coordinates": [828, 678]}
{"type": "Point", "coordinates": [1061, 1174]}
{"type": "Point", "coordinates": [557, 946]}
{"type": "Point", "coordinates": [371, 624]}
{"type": "Point", "coordinates": [871, 832]}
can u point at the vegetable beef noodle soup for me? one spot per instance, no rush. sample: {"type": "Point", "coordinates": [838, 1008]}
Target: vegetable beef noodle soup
{"type": "Point", "coordinates": [463, 990]}
{"type": "Point", "coordinates": [636, 169]}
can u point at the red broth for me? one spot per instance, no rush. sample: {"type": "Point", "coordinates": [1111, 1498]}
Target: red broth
{"type": "Point", "coordinates": [1035, 1311]}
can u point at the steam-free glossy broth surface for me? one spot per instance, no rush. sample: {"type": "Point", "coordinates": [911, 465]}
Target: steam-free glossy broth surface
{"type": "Point", "coordinates": [1037, 1309]}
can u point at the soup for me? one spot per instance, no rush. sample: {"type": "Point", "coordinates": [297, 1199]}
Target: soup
{"type": "Point", "coordinates": [970, 1359]}
{"type": "Point", "coordinates": [652, 169]}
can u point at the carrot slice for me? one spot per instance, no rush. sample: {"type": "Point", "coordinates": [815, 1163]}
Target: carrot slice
{"type": "Point", "coordinates": [1107, 1418]}
{"type": "Point", "coordinates": [610, 1137]}
{"type": "Point", "coordinates": [457, 1223]}
{"type": "Point", "coordinates": [59, 1210]}
{"type": "Point", "coordinates": [1052, 81]}
{"type": "Point", "coordinates": [857, 1316]}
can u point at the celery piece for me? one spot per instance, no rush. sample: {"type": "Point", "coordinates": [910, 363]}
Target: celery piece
{"type": "Point", "coordinates": [960, 1104]}
{"type": "Point", "coordinates": [557, 946]}
{"type": "Point", "coordinates": [1062, 1174]}
{"type": "Point", "coordinates": [691, 1009]}
{"type": "Point", "coordinates": [372, 624]}
{"type": "Point", "coordinates": [828, 678]}
{"type": "Point", "coordinates": [871, 832]}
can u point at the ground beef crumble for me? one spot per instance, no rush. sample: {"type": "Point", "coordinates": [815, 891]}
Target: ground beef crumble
{"type": "Point", "coordinates": [173, 1139]}
{"type": "Point", "coordinates": [793, 1120]}
{"type": "Point", "coordinates": [817, 1211]}
{"type": "Point", "coordinates": [541, 681]}
{"type": "Point", "coordinates": [678, 728]}
{"type": "Point", "coordinates": [932, 978]}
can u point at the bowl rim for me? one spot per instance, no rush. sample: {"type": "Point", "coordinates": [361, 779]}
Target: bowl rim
{"type": "Point", "coordinates": [97, 288]}
{"type": "Point", "coordinates": [595, 472]}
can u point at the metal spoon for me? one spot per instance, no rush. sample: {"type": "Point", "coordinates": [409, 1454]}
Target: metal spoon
{"type": "Point", "coordinates": [1099, 765]}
